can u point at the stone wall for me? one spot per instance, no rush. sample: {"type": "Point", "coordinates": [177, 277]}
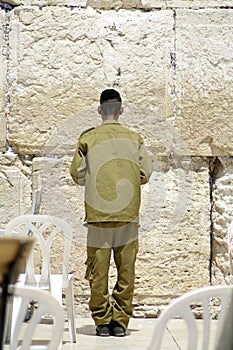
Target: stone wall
{"type": "Point", "coordinates": [172, 62]}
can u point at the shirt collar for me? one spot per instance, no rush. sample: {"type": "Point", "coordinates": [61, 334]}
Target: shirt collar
{"type": "Point", "coordinates": [110, 122]}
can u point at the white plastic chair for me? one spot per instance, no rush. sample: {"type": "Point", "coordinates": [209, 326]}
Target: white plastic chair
{"type": "Point", "coordinates": [45, 229]}
{"type": "Point", "coordinates": [24, 333]}
{"type": "Point", "coordinates": [181, 307]}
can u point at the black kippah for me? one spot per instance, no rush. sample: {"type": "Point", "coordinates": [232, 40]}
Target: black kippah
{"type": "Point", "coordinates": [110, 94]}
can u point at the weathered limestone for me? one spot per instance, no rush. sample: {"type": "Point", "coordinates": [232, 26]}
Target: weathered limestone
{"type": "Point", "coordinates": [55, 95]}
{"type": "Point", "coordinates": [204, 78]}
{"type": "Point", "coordinates": [69, 95]}
{"type": "Point", "coordinates": [2, 82]}
{"type": "Point", "coordinates": [173, 261]}
{"type": "Point", "coordinates": [15, 188]}
{"type": "Point", "coordinates": [67, 199]}
{"type": "Point", "coordinates": [222, 216]}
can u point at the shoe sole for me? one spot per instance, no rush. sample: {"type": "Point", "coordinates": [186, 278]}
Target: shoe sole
{"type": "Point", "coordinates": [102, 335]}
{"type": "Point", "coordinates": [117, 335]}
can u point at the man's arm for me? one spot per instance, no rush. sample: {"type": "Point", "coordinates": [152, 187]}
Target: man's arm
{"type": "Point", "coordinates": [78, 167]}
{"type": "Point", "coordinates": [146, 165]}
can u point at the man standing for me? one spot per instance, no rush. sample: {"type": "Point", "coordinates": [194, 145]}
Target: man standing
{"type": "Point", "coordinates": [112, 163]}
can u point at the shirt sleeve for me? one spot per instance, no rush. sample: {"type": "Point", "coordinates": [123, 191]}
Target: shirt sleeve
{"type": "Point", "coordinates": [145, 163]}
{"type": "Point", "coordinates": [78, 166]}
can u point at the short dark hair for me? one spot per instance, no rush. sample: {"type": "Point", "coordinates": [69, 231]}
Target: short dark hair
{"type": "Point", "coordinates": [110, 101]}
{"type": "Point", "coordinates": [111, 107]}
{"type": "Point", "coordinates": [110, 94]}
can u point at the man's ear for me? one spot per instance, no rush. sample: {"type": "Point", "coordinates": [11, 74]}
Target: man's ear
{"type": "Point", "coordinates": [99, 109]}
{"type": "Point", "coordinates": [121, 110]}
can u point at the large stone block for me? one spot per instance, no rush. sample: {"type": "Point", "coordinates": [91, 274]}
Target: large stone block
{"type": "Point", "coordinates": [3, 69]}
{"type": "Point", "coordinates": [175, 237]}
{"type": "Point", "coordinates": [203, 74]}
{"type": "Point", "coordinates": [60, 61]}
{"type": "Point", "coordinates": [15, 188]}
{"type": "Point", "coordinates": [222, 216]}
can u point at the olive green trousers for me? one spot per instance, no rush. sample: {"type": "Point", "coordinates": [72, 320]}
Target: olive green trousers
{"type": "Point", "coordinates": [117, 306]}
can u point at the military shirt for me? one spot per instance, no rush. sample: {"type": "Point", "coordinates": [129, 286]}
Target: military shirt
{"type": "Point", "coordinates": [112, 162]}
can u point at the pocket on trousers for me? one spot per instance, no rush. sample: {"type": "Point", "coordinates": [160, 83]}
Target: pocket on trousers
{"type": "Point", "coordinates": [89, 270]}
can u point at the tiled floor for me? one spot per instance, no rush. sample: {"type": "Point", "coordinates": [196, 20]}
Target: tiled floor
{"type": "Point", "coordinates": [139, 335]}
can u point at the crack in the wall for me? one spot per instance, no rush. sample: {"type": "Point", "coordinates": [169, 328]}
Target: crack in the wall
{"type": "Point", "coordinates": [7, 44]}
{"type": "Point", "coordinates": [5, 6]}
{"type": "Point", "coordinates": [213, 166]}
{"type": "Point", "coordinates": [173, 92]}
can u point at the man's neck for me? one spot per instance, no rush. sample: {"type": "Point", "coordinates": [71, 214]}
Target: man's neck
{"type": "Point", "coordinates": [110, 118]}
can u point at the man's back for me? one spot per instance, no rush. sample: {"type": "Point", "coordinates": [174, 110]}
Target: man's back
{"type": "Point", "coordinates": [115, 159]}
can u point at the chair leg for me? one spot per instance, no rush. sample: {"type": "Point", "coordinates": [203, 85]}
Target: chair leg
{"type": "Point", "coordinates": [8, 329]}
{"type": "Point", "coordinates": [3, 310]}
{"type": "Point", "coordinates": [56, 291]}
{"type": "Point", "coordinates": [70, 311]}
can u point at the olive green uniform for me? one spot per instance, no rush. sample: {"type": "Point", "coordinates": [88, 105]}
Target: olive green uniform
{"type": "Point", "coordinates": [112, 163]}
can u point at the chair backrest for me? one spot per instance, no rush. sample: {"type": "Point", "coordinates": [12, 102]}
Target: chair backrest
{"type": "Point", "coordinates": [45, 229]}
{"type": "Point", "coordinates": [23, 333]}
{"type": "Point", "coordinates": [182, 308]}
{"type": "Point", "coordinates": [36, 203]}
